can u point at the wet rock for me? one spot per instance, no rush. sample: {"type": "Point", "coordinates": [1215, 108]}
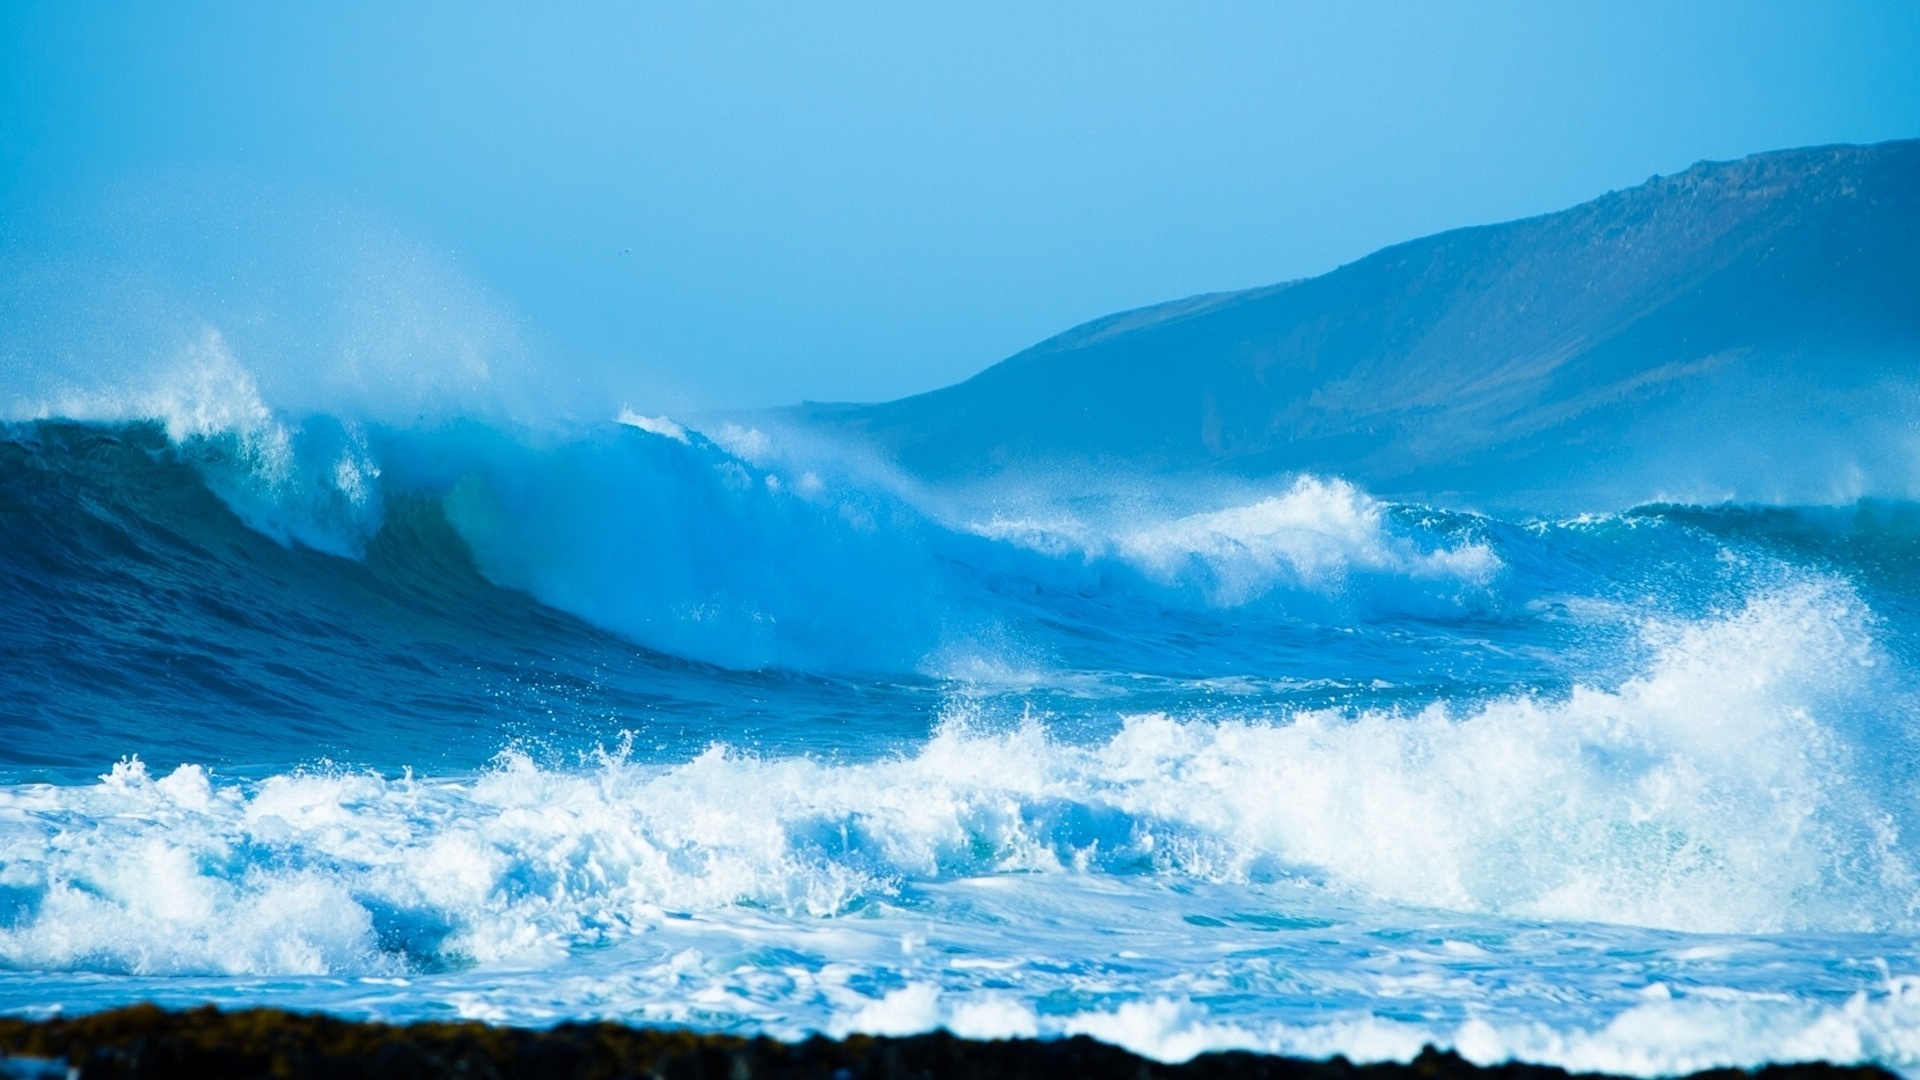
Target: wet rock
{"type": "Point", "coordinates": [144, 1042]}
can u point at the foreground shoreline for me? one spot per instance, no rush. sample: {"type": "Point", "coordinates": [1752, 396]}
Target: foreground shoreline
{"type": "Point", "coordinates": [150, 1043]}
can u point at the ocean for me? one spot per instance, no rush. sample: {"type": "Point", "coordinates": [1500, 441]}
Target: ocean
{"type": "Point", "coordinates": [742, 729]}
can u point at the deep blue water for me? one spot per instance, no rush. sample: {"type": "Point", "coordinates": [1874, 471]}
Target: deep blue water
{"type": "Point", "coordinates": [742, 731]}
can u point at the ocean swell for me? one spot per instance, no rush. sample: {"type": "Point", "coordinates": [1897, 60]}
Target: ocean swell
{"type": "Point", "coordinates": [1707, 793]}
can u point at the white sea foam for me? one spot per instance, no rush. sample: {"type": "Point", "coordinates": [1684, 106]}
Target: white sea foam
{"type": "Point", "coordinates": [1661, 1038]}
{"type": "Point", "coordinates": [1710, 792]}
{"type": "Point", "coordinates": [211, 407]}
{"type": "Point", "coordinates": [1514, 877]}
{"type": "Point", "coordinates": [664, 426]}
{"type": "Point", "coordinates": [1314, 535]}
{"type": "Point", "coordinates": [205, 392]}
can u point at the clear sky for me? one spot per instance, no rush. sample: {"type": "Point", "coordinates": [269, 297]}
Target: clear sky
{"type": "Point", "coordinates": [721, 204]}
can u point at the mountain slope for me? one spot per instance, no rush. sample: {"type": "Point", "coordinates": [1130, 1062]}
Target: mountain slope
{"type": "Point", "coordinates": [1747, 328]}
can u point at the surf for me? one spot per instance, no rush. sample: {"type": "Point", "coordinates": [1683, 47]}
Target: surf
{"type": "Point", "coordinates": [401, 694]}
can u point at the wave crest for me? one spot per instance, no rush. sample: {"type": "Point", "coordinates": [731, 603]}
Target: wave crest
{"type": "Point", "coordinates": [1713, 792]}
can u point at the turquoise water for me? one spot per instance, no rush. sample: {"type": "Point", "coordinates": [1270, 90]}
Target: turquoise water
{"type": "Point", "coordinates": [741, 730]}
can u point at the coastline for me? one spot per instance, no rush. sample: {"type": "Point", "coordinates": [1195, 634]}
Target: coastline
{"type": "Point", "coordinates": [145, 1042]}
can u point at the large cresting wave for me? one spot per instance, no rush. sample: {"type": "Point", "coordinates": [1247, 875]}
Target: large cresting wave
{"type": "Point", "coordinates": [726, 724]}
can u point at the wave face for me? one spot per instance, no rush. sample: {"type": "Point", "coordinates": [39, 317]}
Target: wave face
{"type": "Point", "coordinates": [738, 730]}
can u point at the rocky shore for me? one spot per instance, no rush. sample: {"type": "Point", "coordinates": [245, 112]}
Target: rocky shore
{"type": "Point", "coordinates": [150, 1043]}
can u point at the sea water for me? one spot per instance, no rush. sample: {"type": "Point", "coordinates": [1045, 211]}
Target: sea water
{"type": "Point", "coordinates": [736, 730]}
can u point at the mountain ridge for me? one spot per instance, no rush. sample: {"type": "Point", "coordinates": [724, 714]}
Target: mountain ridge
{"type": "Point", "coordinates": [1484, 361]}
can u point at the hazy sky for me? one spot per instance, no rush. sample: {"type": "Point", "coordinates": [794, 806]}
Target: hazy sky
{"type": "Point", "coordinates": [738, 205]}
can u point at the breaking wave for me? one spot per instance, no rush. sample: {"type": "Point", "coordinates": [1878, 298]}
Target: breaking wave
{"type": "Point", "coordinates": [714, 723]}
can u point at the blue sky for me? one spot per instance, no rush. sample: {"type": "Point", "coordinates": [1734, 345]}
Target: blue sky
{"type": "Point", "coordinates": [746, 204]}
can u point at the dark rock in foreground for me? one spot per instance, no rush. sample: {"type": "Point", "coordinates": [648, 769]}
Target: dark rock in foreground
{"type": "Point", "coordinates": [147, 1042]}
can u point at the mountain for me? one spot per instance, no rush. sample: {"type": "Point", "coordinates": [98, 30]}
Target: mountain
{"type": "Point", "coordinates": [1744, 329]}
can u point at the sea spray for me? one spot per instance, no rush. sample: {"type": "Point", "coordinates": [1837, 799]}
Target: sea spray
{"type": "Point", "coordinates": [623, 720]}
